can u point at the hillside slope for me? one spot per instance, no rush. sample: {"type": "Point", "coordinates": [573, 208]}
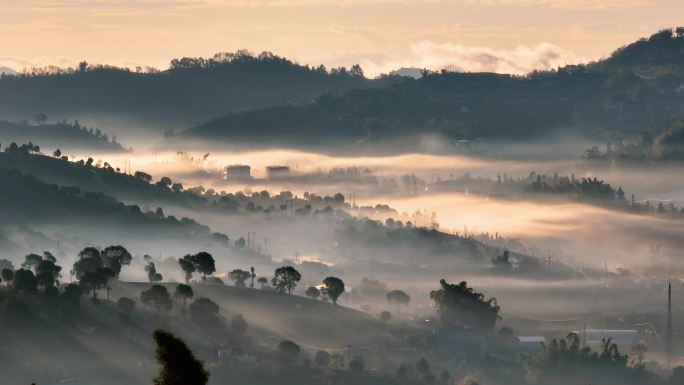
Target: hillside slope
{"type": "Point", "coordinates": [63, 136]}
{"type": "Point", "coordinates": [50, 213]}
{"type": "Point", "coordinates": [113, 346]}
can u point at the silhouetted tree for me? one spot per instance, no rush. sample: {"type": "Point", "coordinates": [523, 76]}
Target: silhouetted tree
{"type": "Point", "coordinates": [126, 304]}
{"type": "Point", "coordinates": [115, 257]}
{"type": "Point", "coordinates": [151, 270]}
{"type": "Point", "coordinates": [72, 294]}
{"type": "Point", "coordinates": [263, 281]}
{"type": "Point", "coordinates": [461, 306]}
{"type": "Point", "coordinates": [566, 359]}
{"type": "Point", "coordinates": [502, 262]}
{"type": "Point", "coordinates": [285, 279]}
{"type": "Point", "coordinates": [89, 260]}
{"type": "Point", "coordinates": [93, 281]}
{"type": "Point", "coordinates": [205, 314]}
{"type": "Point", "coordinates": [31, 260]}
{"type": "Point", "coordinates": [47, 273]}
{"type": "Point", "coordinates": [398, 298]}
{"type": "Point", "coordinates": [157, 296]}
{"type": "Point", "coordinates": [238, 276]}
{"type": "Point", "coordinates": [313, 292]}
{"type": "Point", "coordinates": [178, 365]}
{"type": "Point", "coordinates": [385, 316]}
{"type": "Point", "coordinates": [143, 176]}
{"type": "Point", "coordinates": [183, 293]}
{"type": "Point", "coordinates": [187, 266]}
{"type": "Point", "coordinates": [165, 181]}
{"type": "Point", "coordinates": [334, 287]}
{"type": "Point", "coordinates": [7, 276]}
{"type": "Point", "coordinates": [204, 263]}
{"type": "Point", "coordinates": [25, 281]}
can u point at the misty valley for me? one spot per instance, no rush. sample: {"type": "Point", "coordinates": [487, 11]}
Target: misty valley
{"type": "Point", "coordinates": [247, 219]}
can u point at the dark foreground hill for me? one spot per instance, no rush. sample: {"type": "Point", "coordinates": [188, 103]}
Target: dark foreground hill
{"type": "Point", "coordinates": [52, 341]}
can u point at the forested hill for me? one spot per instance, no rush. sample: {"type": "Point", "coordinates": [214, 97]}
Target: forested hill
{"type": "Point", "coordinates": [662, 51]}
{"type": "Point", "coordinates": [192, 90]}
{"type": "Point", "coordinates": [64, 136]}
{"type": "Point", "coordinates": [600, 100]}
{"type": "Point", "coordinates": [31, 203]}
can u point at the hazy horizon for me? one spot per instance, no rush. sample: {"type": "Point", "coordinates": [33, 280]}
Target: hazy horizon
{"type": "Point", "coordinates": [508, 36]}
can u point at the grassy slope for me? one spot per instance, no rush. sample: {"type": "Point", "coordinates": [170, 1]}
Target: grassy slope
{"type": "Point", "coordinates": [100, 344]}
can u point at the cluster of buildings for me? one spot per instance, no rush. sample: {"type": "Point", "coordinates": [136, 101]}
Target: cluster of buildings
{"type": "Point", "coordinates": [244, 172]}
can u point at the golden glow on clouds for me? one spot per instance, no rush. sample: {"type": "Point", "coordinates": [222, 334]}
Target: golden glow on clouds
{"type": "Point", "coordinates": [478, 35]}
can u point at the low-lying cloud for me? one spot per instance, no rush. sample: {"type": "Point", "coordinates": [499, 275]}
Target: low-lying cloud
{"type": "Point", "coordinates": [462, 58]}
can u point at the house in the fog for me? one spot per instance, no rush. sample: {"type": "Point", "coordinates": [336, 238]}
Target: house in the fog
{"type": "Point", "coordinates": [274, 172]}
{"type": "Point", "coordinates": [239, 171]}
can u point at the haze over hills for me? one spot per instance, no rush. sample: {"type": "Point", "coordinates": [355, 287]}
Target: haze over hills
{"type": "Point", "coordinates": [269, 101]}
{"type": "Point", "coordinates": [420, 228]}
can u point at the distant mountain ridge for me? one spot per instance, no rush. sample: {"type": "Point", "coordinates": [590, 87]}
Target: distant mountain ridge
{"type": "Point", "coordinates": [192, 90]}
{"type": "Point", "coordinates": [597, 100]}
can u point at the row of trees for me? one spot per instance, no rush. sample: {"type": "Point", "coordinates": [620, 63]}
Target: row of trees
{"type": "Point", "coordinates": [95, 269]}
{"type": "Point", "coordinates": [24, 149]}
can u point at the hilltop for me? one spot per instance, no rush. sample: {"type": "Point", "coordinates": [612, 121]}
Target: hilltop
{"type": "Point", "coordinates": [192, 90]}
{"type": "Point", "coordinates": [64, 136]}
{"type": "Point", "coordinates": [32, 208]}
{"type": "Point", "coordinates": [98, 177]}
{"type": "Point", "coordinates": [662, 51]}
{"type": "Point", "coordinates": [598, 100]}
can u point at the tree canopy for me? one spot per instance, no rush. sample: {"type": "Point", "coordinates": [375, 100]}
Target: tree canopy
{"type": "Point", "coordinates": [178, 365]}
{"type": "Point", "coordinates": [462, 306]}
{"type": "Point", "coordinates": [334, 287]}
{"type": "Point", "coordinates": [286, 279]}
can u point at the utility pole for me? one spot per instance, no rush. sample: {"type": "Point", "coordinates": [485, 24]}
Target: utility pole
{"type": "Point", "coordinates": [251, 237]}
{"type": "Point", "coordinates": [668, 328]}
{"type": "Point", "coordinates": [265, 246]}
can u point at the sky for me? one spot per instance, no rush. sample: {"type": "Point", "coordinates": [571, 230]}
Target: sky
{"type": "Point", "coordinates": [508, 36]}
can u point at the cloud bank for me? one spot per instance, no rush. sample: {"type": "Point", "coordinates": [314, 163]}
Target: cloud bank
{"type": "Point", "coordinates": [461, 58]}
